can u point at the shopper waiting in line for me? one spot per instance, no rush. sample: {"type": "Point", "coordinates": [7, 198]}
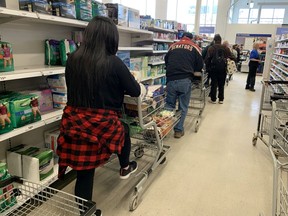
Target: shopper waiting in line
{"type": "Point", "coordinates": [216, 62]}
{"type": "Point", "coordinates": [90, 128]}
{"type": "Point", "coordinates": [182, 59]}
{"type": "Point", "coordinates": [253, 65]}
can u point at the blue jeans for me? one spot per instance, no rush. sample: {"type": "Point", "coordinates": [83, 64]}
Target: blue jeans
{"type": "Point", "coordinates": [181, 90]}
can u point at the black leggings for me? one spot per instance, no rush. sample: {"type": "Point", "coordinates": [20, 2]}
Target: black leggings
{"type": "Point", "coordinates": [85, 178]}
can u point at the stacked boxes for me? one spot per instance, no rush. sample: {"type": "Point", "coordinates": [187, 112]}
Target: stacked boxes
{"type": "Point", "coordinates": [133, 18]}
{"type": "Point", "coordinates": [32, 163]}
{"type": "Point", "coordinates": [64, 8]}
{"type": "Point", "coordinates": [118, 13]}
{"type": "Point", "coordinates": [57, 84]}
{"type": "Point", "coordinates": [40, 6]}
{"type": "Point", "coordinates": [99, 9]}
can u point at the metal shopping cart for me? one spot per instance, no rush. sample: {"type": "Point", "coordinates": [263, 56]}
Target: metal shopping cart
{"type": "Point", "coordinates": [25, 198]}
{"type": "Point", "coordinates": [271, 90]}
{"type": "Point", "coordinates": [278, 139]}
{"type": "Point", "coordinates": [200, 90]}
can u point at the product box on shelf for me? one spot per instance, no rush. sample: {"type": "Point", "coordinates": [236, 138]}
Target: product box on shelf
{"type": "Point", "coordinates": [44, 98]}
{"type": "Point", "coordinates": [66, 47]}
{"type": "Point", "coordinates": [77, 37]}
{"type": "Point", "coordinates": [24, 110]}
{"type": "Point", "coordinates": [50, 139]}
{"type": "Point", "coordinates": [83, 9]}
{"type": "Point", "coordinates": [7, 195]}
{"type": "Point", "coordinates": [136, 64]}
{"type": "Point", "coordinates": [40, 6]}
{"type": "Point", "coordinates": [14, 159]}
{"type": "Point", "coordinates": [64, 8]}
{"type": "Point", "coordinates": [145, 22]}
{"type": "Point", "coordinates": [6, 57]}
{"type": "Point", "coordinates": [5, 116]}
{"type": "Point", "coordinates": [57, 83]}
{"type": "Point", "coordinates": [133, 18]}
{"type": "Point", "coordinates": [118, 13]}
{"type": "Point", "coordinates": [125, 57]}
{"type": "Point", "coordinates": [59, 100]}
{"type": "Point", "coordinates": [38, 164]}
{"type": "Point", "coordinates": [52, 52]}
{"type": "Point", "coordinates": [99, 9]}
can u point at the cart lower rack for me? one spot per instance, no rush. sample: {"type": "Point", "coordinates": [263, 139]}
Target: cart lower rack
{"type": "Point", "coordinates": [25, 198]}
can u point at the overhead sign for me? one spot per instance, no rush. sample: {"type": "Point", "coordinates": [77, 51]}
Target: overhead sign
{"type": "Point", "coordinates": [206, 30]}
{"type": "Point", "coordinates": [281, 30]}
{"type": "Point", "coordinates": [252, 35]}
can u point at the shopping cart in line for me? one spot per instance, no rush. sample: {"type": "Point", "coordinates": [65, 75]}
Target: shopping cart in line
{"type": "Point", "coordinates": [278, 139]}
{"type": "Point", "coordinates": [271, 90]}
{"type": "Point", "coordinates": [199, 93]}
{"type": "Point", "coordinates": [25, 198]}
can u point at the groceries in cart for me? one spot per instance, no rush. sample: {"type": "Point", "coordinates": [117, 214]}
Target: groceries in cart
{"type": "Point", "coordinates": [7, 197]}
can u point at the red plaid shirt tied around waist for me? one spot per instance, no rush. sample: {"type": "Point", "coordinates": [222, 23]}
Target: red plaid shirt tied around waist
{"type": "Point", "coordinates": [88, 137]}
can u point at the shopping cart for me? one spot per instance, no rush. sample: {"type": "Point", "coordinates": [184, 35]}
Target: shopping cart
{"type": "Point", "coordinates": [25, 198]}
{"type": "Point", "coordinates": [278, 139]}
{"type": "Point", "coordinates": [200, 90]}
{"type": "Point", "coordinates": [271, 90]}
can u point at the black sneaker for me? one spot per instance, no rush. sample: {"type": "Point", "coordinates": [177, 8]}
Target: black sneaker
{"type": "Point", "coordinates": [124, 174]}
{"type": "Point", "coordinates": [252, 89]}
{"type": "Point", "coordinates": [247, 87]}
{"type": "Point", "coordinates": [98, 213]}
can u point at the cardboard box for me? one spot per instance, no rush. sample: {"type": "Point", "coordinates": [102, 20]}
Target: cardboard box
{"type": "Point", "coordinates": [50, 139]}
{"type": "Point", "coordinates": [38, 164]}
{"type": "Point", "coordinates": [40, 6]}
{"type": "Point", "coordinates": [133, 18]}
{"type": "Point", "coordinates": [118, 13]}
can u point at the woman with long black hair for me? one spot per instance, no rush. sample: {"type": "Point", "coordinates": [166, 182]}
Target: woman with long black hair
{"type": "Point", "coordinates": [90, 128]}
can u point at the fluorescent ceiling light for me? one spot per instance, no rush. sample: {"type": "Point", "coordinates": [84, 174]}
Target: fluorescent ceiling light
{"type": "Point", "coordinates": [251, 4]}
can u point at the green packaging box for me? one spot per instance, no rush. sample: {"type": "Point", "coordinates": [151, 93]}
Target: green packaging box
{"type": "Point", "coordinates": [6, 57]}
{"type": "Point", "coordinates": [5, 116]}
{"type": "Point", "coordinates": [24, 110]}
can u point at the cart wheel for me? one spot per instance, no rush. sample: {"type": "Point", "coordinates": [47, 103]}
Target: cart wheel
{"type": "Point", "coordinates": [254, 140]}
{"type": "Point", "coordinates": [139, 152]}
{"type": "Point", "coordinates": [196, 127]}
{"type": "Point", "coordinates": [133, 203]}
{"type": "Point", "coordinates": [164, 159]}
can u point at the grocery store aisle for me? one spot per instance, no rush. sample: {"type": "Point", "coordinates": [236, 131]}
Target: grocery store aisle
{"type": "Point", "coordinates": [216, 171]}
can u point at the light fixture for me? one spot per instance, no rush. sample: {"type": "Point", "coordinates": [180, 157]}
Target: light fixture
{"type": "Point", "coordinates": [251, 4]}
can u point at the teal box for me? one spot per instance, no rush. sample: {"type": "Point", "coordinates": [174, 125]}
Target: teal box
{"type": "Point", "coordinates": [6, 57]}
{"type": "Point", "coordinates": [84, 9]}
{"type": "Point", "coordinates": [5, 116]}
{"type": "Point", "coordinates": [24, 110]}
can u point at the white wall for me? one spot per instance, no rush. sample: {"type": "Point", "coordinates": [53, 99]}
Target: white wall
{"type": "Point", "coordinates": [233, 29]}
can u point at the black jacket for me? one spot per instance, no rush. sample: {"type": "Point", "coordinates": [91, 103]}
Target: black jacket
{"type": "Point", "coordinates": [182, 59]}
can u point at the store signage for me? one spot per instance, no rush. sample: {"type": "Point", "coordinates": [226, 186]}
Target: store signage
{"type": "Point", "coordinates": [281, 30]}
{"type": "Point", "coordinates": [252, 35]}
{"type": "Point", "coordinates": [206, 30]}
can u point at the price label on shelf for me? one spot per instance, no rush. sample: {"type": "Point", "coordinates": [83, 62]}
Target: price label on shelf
{"type": "Point", "coordinates": [3, 78]}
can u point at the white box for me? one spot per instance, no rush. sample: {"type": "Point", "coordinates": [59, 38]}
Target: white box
{"type": "Point", "coordinates": [59, 100]}
{"type": "Point", "coordinates": [14, 160]}
{"type": "Point", "coordinates": [50, 139]}
{"type": "Point", "coordinates": [39, 165]}
{"type": "Point", "coordinates": [57, 83]}
{"type": "Point", "coordinates": [11, 4]}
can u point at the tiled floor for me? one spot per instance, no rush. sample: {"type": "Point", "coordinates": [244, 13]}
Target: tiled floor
{"type": "Point", "coordinates": [215, 172]}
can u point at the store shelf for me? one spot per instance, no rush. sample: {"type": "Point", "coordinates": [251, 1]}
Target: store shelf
{"type": "Point", "coordinates": [156, 63]}
{"type": "Point", "coordinates": [281, 55]}
{"type": "Point", "coordinates": [282, 47]}
{"type": "Point", "coordinates": [176, 40]}
{"type": "Point", "coordinates": [135, 49]}
{"type": "Point", "coordinates": [31, 71]}
{"type": "Point", "coordinates": [159, 51]}
{"type": "Point", "coordinates": [158, 29]}
{"type": "Point", "coordinates": [153, 78]}
{"type": "Point", "coordinates": [277, 74]}
{"type": "Point", "coordinates": [8, 15]}
{"type": "Point", "coordinates": [284, 71]}
{"type": "Point", "coordinates": [285, 63]}
{"type": "Point", "coordinates": [47, 118]}
{"type": "Point", "coordinates": [282, 40]}
{"type": "Point", "coordinates": [162, 40]}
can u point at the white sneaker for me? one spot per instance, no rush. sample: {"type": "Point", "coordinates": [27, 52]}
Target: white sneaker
{"type": "Point", "coordinates": [220, 102]}
{"type": "Point", "coordinates": [213, 102]}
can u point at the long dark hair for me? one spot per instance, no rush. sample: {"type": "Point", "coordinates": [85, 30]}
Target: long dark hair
{"type": "Point", "coordinates": [89, 64]}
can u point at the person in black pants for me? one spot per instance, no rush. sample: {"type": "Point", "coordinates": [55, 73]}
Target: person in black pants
{"type": "Point", "coordinates": [253, 65]}
{"type": "Point", "coordinates": [216, 62]}
{"type": "Point", "coordinates": [90, 129]}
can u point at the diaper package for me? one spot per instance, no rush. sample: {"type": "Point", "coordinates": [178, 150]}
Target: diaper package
{"type": "Point", "coordinates": [24, 110]}
{"type": "Point", "coordinates": [118, 13]}
{"type": "Point", "coordinates": [66, 47]}
{"type": "Point", "coordinates": [52, 52]}
{"type": "Point", "coordinates": [5, 116]}
{"type": "Point", "coordinates": [44, 98]}
{"type": "Point", "coordinates": [6, 57]}
{"type": "Point", "coordinates": [7, 197]}
{"type": "Point", "coordinates": [83, 9]}
{"type": "Point", "coordinates": [40, 6]}
{"type": "Point", "coordinates": [64, 8]}
{"type": "Point", "coordinates": [99, 9]}
{"type": "Point", "coordinates": [59, 100]}
{"type": "Point", "coordinates": [57, 83]}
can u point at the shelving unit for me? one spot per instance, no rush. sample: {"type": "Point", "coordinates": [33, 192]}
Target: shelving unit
{"type": "Point", "coordinates": [159, 51]}
{"type": "Point", "coordinates": [156, 63]}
